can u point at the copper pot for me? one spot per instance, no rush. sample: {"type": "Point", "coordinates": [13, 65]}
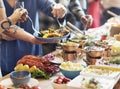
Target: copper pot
{"type": "Point", "coordinates": [67, 56]}
{"type": "Point", "coordinates": [70, 46]}
{"type": "Point", "coordinates": [94, 51]}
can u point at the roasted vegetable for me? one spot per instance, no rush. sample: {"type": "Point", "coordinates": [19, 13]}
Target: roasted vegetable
{"type": "Point", "coordinates": [50, 32]}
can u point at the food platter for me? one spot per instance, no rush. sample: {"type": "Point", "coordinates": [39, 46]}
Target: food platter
{"type": "Point", "coordinates": [109, 61]}
{"type": "Point", "coordinates": [81, 81]}
{"type": "Point", "coordinates": [49, 39]}
{"type": "Point", "coordinates": [101, 71]}
{"type": "Point", "coordinates": [8, 83]}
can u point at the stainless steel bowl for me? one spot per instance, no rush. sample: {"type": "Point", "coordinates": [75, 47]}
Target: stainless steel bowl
{"type": "Point", "coordinates": [94, 51]}
{"type": "Point", "coordinates": [69, 46]}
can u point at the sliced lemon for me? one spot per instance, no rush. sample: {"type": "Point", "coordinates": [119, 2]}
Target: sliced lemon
{"type": "Point", "coordinates": [18, 67]}
{"type": "Point", "coordinates": [32, 69]}
{"type": "Point", "coordinates": [25, 67]}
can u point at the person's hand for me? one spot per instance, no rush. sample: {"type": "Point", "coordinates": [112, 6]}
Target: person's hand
{"type": "Point", "coordinates": [19, 15]}
{"type": "Point", "coordinates": [59, 11]}
{"type": "Point", "coordinates": [86, 20]}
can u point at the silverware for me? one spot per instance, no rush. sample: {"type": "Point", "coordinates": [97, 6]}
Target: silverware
{"type": "Point", "coordinates": [72, 31]}
{"type": "Point", "coordinates": [33, 26]}
{"type": "Point", "coordinates": [21, 5]}
{"type": "Point", "coordinates": [62, 26]}
{"type": "Point", "coordinates": [111, 13]}
{"type": "Point", "coordinates": [85, 28]}
{"type": "Point", "coordinates": [74, 28]}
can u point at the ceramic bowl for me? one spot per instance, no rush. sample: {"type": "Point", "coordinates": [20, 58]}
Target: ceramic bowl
{"type": "Point", "coordinates": [70, 69]}
{"type": "Point", "coordinates": [71, 74]}
{"type": "Point", "coordinates": [20, 77]}
{"type": "Point", "coordinates": [59, 86]}
{"type": "Point", "coordinates": [60, 82]}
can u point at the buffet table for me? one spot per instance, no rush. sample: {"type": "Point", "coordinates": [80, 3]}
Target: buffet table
{"type": "Point", "coordinates": [46, 84]}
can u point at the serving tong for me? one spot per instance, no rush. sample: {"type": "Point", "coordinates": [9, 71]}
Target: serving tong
{"type": "Point", "coordinates": [112, 13]}
{"type": "Point", "coordinates": [61, 25]}
{"type": "Point", "coordinates": [75, 30]}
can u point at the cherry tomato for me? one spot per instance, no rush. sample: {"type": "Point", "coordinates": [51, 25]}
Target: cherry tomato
{"type": "Point", "coordinates": [103, 37]}
{"type": "Point", "coordinates": [25, 86]}
{"type": "Point", "coordinates": [2, 87]}
{"type": "Point", "coordinates": [35, 87]}
{"type": "Point", "coordinates": [66, 80]}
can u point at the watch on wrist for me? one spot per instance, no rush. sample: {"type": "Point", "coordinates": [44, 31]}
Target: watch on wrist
{"type": "Point", "coordinates": [6, 24]}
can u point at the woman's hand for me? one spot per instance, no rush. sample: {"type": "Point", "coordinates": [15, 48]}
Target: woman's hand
{"type": "Point", "coordinates": [19, 15]}
{"type": "Point", "coordinates": [59, 11]}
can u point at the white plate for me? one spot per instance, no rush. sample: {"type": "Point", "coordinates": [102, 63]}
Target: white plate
{"type": "Point", "coordinates": [8, 83]}
{"type": "Point", "coordinates": [76, 83]}
{"type": "Point", "coordinates": [57, 60]}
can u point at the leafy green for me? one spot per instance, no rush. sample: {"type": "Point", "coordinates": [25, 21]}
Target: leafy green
{"type": "Point", "coordinates": [40, 74]}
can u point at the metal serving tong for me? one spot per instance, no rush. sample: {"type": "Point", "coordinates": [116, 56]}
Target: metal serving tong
{"type": "Point", "coordinates": [61, 25]}
{"type": "Point", "coordinates": [85, 28]}
{"type": "Point", "coordinates": [112, 13]}
{"type": "Point", "coordinates": [73, 29]}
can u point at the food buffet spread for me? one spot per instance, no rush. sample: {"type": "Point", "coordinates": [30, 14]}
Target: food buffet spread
{"type": "Point", "coordinates": [84, 61]}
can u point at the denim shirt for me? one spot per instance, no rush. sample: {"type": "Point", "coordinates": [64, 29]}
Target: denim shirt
{"type": "Point", "coordinates": [12, 51]}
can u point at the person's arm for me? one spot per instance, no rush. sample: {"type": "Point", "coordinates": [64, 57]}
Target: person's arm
{"type": "Point", "coordinates": [18, 33]}
{"type": "Point", "coordinates": [77, 10]}
{"type": "Point", "coordinates": [49, 7]}
{"type": "Point", "coordinates": [2, 13]}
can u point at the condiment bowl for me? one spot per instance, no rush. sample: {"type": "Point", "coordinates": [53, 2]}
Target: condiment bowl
{"type": "Point", "coordinates": [20, 77]}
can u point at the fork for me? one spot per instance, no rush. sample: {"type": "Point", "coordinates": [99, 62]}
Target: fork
{"type": "Point", "coordinates": [33, 26]}
{"type": "Point", "coordinates": [21, 5]}
{"type": "Point", "coordinates": [62, 26]}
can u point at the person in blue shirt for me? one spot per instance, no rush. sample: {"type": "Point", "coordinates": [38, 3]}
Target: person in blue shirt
{"type": "Point", "coordinates": [6, 32]}
{"type": "Point", "coordinates": [12, 51]}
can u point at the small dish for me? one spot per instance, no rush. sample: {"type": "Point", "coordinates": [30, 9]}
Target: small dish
{"type": "Point", "coordinates": [20, 77]}
{"type": "Point", "coordinates": [57, 61]}
{"type": "Point", "coordinates": [9, 84]}
{"type": "Point", "coordinates": [60, 82]}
